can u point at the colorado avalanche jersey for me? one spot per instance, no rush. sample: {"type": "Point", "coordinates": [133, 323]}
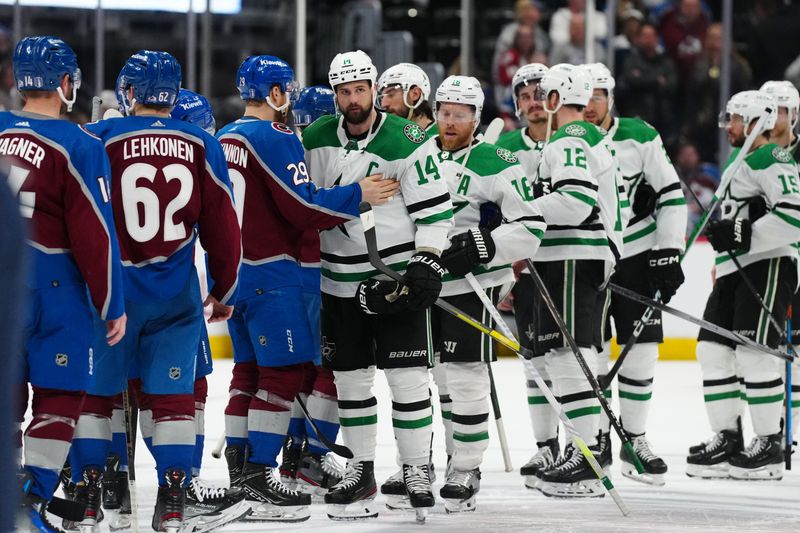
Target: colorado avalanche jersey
{"type": "Point", "coordinates": [60, 174]}
{"type": "Point", "coordinates": [276, 201]}
{"type": "Point", "coordinates": [170, 182]}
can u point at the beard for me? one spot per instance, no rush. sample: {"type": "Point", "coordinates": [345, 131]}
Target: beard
{"type": "Point", "coordinates": [357, 115]}
{"type": "Point", "coordinates": [458, 141]}
{"type": "Point", "coordinates": [737, 141]}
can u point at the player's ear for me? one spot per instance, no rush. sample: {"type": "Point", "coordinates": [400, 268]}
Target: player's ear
{"type": "Point", "coordinates": [276, 96]}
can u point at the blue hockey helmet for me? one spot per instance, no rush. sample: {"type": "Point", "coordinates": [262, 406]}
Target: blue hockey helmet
{"type": "Point", "coordinates": [258, 74]}
{"type": "Point", "coordinates": [313, 103]}
{"type": "Point", "coordinates": [155, 77]}
{"type": "Point", "coordinates": [194, 108]}
{"type": "Point", "coordinates": [40, 64]}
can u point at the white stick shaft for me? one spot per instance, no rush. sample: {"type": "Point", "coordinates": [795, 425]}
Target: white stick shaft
{"type": "Point", "coordinates": [217, 451]}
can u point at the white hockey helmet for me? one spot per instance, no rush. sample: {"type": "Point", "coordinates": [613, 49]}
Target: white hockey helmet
{"type": "Point", "coordinates": [351, 66]}
{"type": "Point", "coordinates": [572, 83]}
{"type": "Point", "coordinates": [532, 72]}
{"type": "Point", "coordinates": [461, 90]}
{"type": "Point", "coordinates": [750, 105]}
{"type": "Point", "coordinates": [602, 79]}
{"type": "Point", "coordinates": [785, 95]}
{"type": "Point", "coordinates": [406, 76]}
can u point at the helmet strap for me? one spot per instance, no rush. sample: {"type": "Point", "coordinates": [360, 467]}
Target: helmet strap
{"type": "Point", "coordinates": [280, 109]}
{"type": "Point", "coordinates": [549, 126]}
{"type": "Point", "coordinates": [69, 103]}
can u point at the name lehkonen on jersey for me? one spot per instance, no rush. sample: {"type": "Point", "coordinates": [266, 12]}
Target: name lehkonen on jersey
{"type": "Point", "coordinates": [158, 146]}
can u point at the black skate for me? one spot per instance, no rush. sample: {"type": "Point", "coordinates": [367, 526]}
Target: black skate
{"type": "Point", "coordinates": [712, 461]}
{"type": "Point", "coordinates": [395, 491]}
{"type": "Point", "coordinates": [66, 481]}
{"type": "Point", "coordinates": [316, 474]}
{"type": "Point", "coordinates": [571, 477]}
{"type": "Point", "coordinates": [209, 507]}
{"type": "Point", "coordinates": [115, 495]}
{"type": "Point", "coordinates": [418, 487]}
{"type": "Point", "coordinates": [170, 503]}
{"type": "Point", "coordinates": [543, 459]}
{"type": "Point", "coordinates": [271, 500]}
{"type": "Point", "coordinates": [604, 456]}
{"type": "Point", "coordinates": [697, 448]}
{"type": "Point", "coordinates": [353, 497]}
{"type": "Point", "coordinates": [654, 466]}
{"type": "Point", "coordinates": [235, 457]}
{"type": "Point", "coordinates": [290, 460]}
{"type": "Point", "coordinates": [460, 489]}
{"type": "Point", "coordinates": [762, 460]}
{"type": "Point", "coordinates": [89, 493]}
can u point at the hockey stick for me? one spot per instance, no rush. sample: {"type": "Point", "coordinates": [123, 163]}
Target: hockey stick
{"type": "Point", "coordinates": [598, 392]}
{"type": "Point", "coordinates": [727, 176]}
{"type": "Point", "coordinates": [705, 324]}
{"type": "Point", "coordinates": [96, 103]}
{"type": "Point", "coordinates": [216, 453]}
{"type": "Point", "coordinates": [498, 417]}
{"type": "Point", "coordinates": [559, 409]}
{"type": "Point", "coordinates": [787, 449]}
{"type": "Point", "coordinates": [493, 130]}
{"type": "Point", "coordinates": [338, 449]}
{"type": "Point", "coordinates": [130, 446]}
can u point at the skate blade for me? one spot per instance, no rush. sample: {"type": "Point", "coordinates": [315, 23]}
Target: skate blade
{"type": "Point", "coordinates": [763, 473]}
{"type": "Point", "coordinates": [265, 512]}
{"type": "Point", "coordinates": [579, 489]}
{"type": "Point", "coordinates": [120, 521]}
{"type": "Point", "coordinates": [717, 471]}
{"type": "Point", "coordinates": [421, 515]}
{"type": "Point", "coordinates": [89, 527]}
{"type": "Point", "coordinates": [355, 511]}
{"type": "Point", "coordinates": [453, 506]}
{"type": "Point", "coordinates": [629, 471]}
{"type": "Point", "coordinates": [208, 522]}
{"type": "Point", "coordinates": [398, 503]}
{"type": "Point", "coordinates": [532, 482]}
{"type": "Point", "coordinates": [309, 488]}
{"type": "Point", "coordinates": [172, 526]}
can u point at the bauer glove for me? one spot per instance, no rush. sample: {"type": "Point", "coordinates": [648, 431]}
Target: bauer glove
{"type": "Point", "coordinates": [665, 272]}
{"type": "Point", "coordinates": [730, 234]}
{"type": "Point", "coordinates": [382, 297]}
{"type": "Point", "coordinates": [424, 280]}
{"type": "Point", "coordinates": [644, 200]}
{"type": "Point", "coordinates": [467, 251]}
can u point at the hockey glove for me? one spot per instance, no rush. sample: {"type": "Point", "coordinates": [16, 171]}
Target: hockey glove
{"type": "Point", "coordinates": [424, 280]}
{"type": "Point", "coordinates": [467, 251]}
{"type": "Point", "coordinates": [540, 188]}
{"type": "Point", "coordinates": [382, 297]}
{"type": "Point", "coordinates": [730, 234]}
{"type": "Point", "coordinates": [644, 200]}
{"type": "Point", "coordinates": [665, 272]}
{"type": "Point", "coordinates": [756, 208]}
{"type": "Point", "coordinates": [491, 217]}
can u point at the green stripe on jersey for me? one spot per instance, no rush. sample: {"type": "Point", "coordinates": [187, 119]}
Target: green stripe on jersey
{"type": "Point", "coordinates": [563, 241]}
{"type": "Point", "coordinates": [634, 129]}
{"type": "Point", "coordinates": [582, 197]}
{"type": "Point", "coordinates": [412, 424]}
{"type": "Point", "coordinates": [583, 411]}
{"type": "Point", "coordinates": [470, 437]}
{"type": "Point", "coordinates": [721, 396]}
{"type": "Point", "coordinates": [641, 233]}
{"type": "Point", "coordinates": [674, 201]}
{"type": "Point", "coordinates": [444, 215]}
{"type": "Point", "coordinates": [765, 399]}
{"type": "Point", "coordinates": [358, 421]}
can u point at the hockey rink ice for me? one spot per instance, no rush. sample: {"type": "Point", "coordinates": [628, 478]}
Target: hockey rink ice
{"type": "Point", "coordinates": [677, 420]}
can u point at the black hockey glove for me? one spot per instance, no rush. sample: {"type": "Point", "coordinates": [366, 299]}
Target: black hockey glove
{"type": "Point", "coordinates": [665, 272]}
{"type": "Point", "coordinates": [756, 208]}
{"type": "Point", "coordinates": [424, 280]}
{"type": "Point", "coordinates": [491, 216]}
{"type": "Point", "coordinates": [730, 234]}
{"type": "Point", "coordinates": [644, 200]}
{"type": "Point", "coordinates": [382, 297]}
{"type": "Point", "coordinates": [468, 250]}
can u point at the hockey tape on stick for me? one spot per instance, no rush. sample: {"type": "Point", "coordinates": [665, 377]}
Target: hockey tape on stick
{"type": "Point", "coordinates": [598, 392]}
{"type": "Point", "coordinates": [722, 332]}
{"type": "Point", "coordinates": [493, 130]}
{"type": "Point", "coordinates": [216, 453]}
{"type": "Point", "coordinates": [96, 103]}
{"type": "Point", "coordinates": [551, 399]}
{"type": "Point", "coordinates": [338, 449]}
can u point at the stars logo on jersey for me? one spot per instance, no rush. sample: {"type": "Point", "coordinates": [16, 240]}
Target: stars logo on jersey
{"type": "Point", "coordinates": [414, 133]}
{"type": "Point", "coordinates": [576, 130]}
{"type": "Point", "coordinates": [781, 155]}
{"type": "Point", "coordinates": [283, 128]}
{"type": "Point", "coordinates": [506, 155]}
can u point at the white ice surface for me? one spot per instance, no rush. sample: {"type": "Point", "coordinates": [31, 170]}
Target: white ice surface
{"type": "Point", "coordinates": [677, 420]}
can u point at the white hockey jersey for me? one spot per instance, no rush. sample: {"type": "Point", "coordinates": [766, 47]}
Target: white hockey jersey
{"type": "Point", "coordinates": [528, 151]}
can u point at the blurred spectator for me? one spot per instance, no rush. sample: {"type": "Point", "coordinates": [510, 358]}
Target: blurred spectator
{"type": "Point", "coordinates": [683, 29]}
{"type": "Point", "coordinates": [561, 29]}
{"type": "Point", "coordinates": [631, 20]}
{"type": "Point", "coordinates": [696, 177]}
{"type": "Point", "coordinates": [574, 50]}
{"type": "Point", "coordinates": [646, 87]}
{"type": "Point", "coordinates": [522, 52]}
{"type": "Point", "coordinates": [527, 14]}
{"type": "Point", "coordinates": [774, 41]}
{"type": "Point", "coordinates": [702, 104]}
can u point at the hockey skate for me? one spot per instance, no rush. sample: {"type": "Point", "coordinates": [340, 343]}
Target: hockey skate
{"type": "Point", "coordinates": [395, 490]}
{"type": "Point", "coordinates": [209, 507]}
{"type": "Point", "coordinates": [116, 499]}
{"type": "Point", "coordinates": [235, 457]}
{"type": "Point", "coordinates": [543, 459]}
{"type": "Point", "coordinates": [290, 460]}
{"type": "Point", "coordinates": [67, 486]}
{"type": "Point", "coordinates": [418, 487]}
{"type": "Point", "coordinates": [460, 489]}
{"type": "Point", "coordinates": [762, 460]}
{"type": "Point", "coordinates": [316, 474]}
{"type": "Point", "coordinates": [654, 466]}
{"type": "Point", "coordinates": [33, 516]}
{"type": "Point", "coordinates": [271, 500]}
{"type": "Point", "coordinates": [88, 493]}
{"type": "Point", "coordinates": [571, 477]}
{"type": "Point", "coordinates": [170, 503]}
{"type": "Point", "coordinates": [353, 498]}
{"type": "Point", "coordinates": [604, 456]}
{"type": "Point", "coordinates": [711, 461]}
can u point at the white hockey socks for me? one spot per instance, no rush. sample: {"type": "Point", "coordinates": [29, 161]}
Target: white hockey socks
{"type": "Point", "coordinates": [635, 385]}
{"type": "Point", "coordinates": [412, 416]}
{"type": "Point", "coordinates": [720, 385]}
{"type": "Point", "coordinates": [445, 404]}
{"type": "Point", "coordinates": [575, 394]}
{"type": "Point", "coordinates": [764, 385]}
{"type": "Point", "coordinates": [469, 388]}
{"type": "Point", "coordinates": [358, 411]}
{"type": "Point", "coordinates": [544, 419]}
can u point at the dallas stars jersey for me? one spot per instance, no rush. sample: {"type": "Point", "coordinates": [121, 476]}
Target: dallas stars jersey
{"type": "Point", "coordinates": [769, 172]}
{"type": "Point", "coordinates": [641, 156]}
{"type": "Point", "coordinates": [419, 216]}
{"type": "Point", "coordinates": [481, 173]}
{"type": "Point", "coordinates": [528, 151]}
{"type": "Point", "coordinates": [582, 208]}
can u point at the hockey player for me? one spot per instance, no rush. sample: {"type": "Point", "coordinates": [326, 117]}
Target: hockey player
{"type": "Point", "coordinates": [762, 235]}
{"type": "Point", "coordinates": [476, 173]}
{"type": "Point", "coordinates": [654, 243]}
{"type": "Point", "coordinates": [169, 177]}
{"type": "Point", "coordinates": [60, 174]}
{"type": "Point", "coordinates": [312, 103]}
{"type": "Point", "coordinates": [583, 240]}
{"type": "Point", "coordinates": [270, 330]}
{"type": "Point", "coordinates": [412, 231]}
{"type": "Point", "coordinates": [405, 90]}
